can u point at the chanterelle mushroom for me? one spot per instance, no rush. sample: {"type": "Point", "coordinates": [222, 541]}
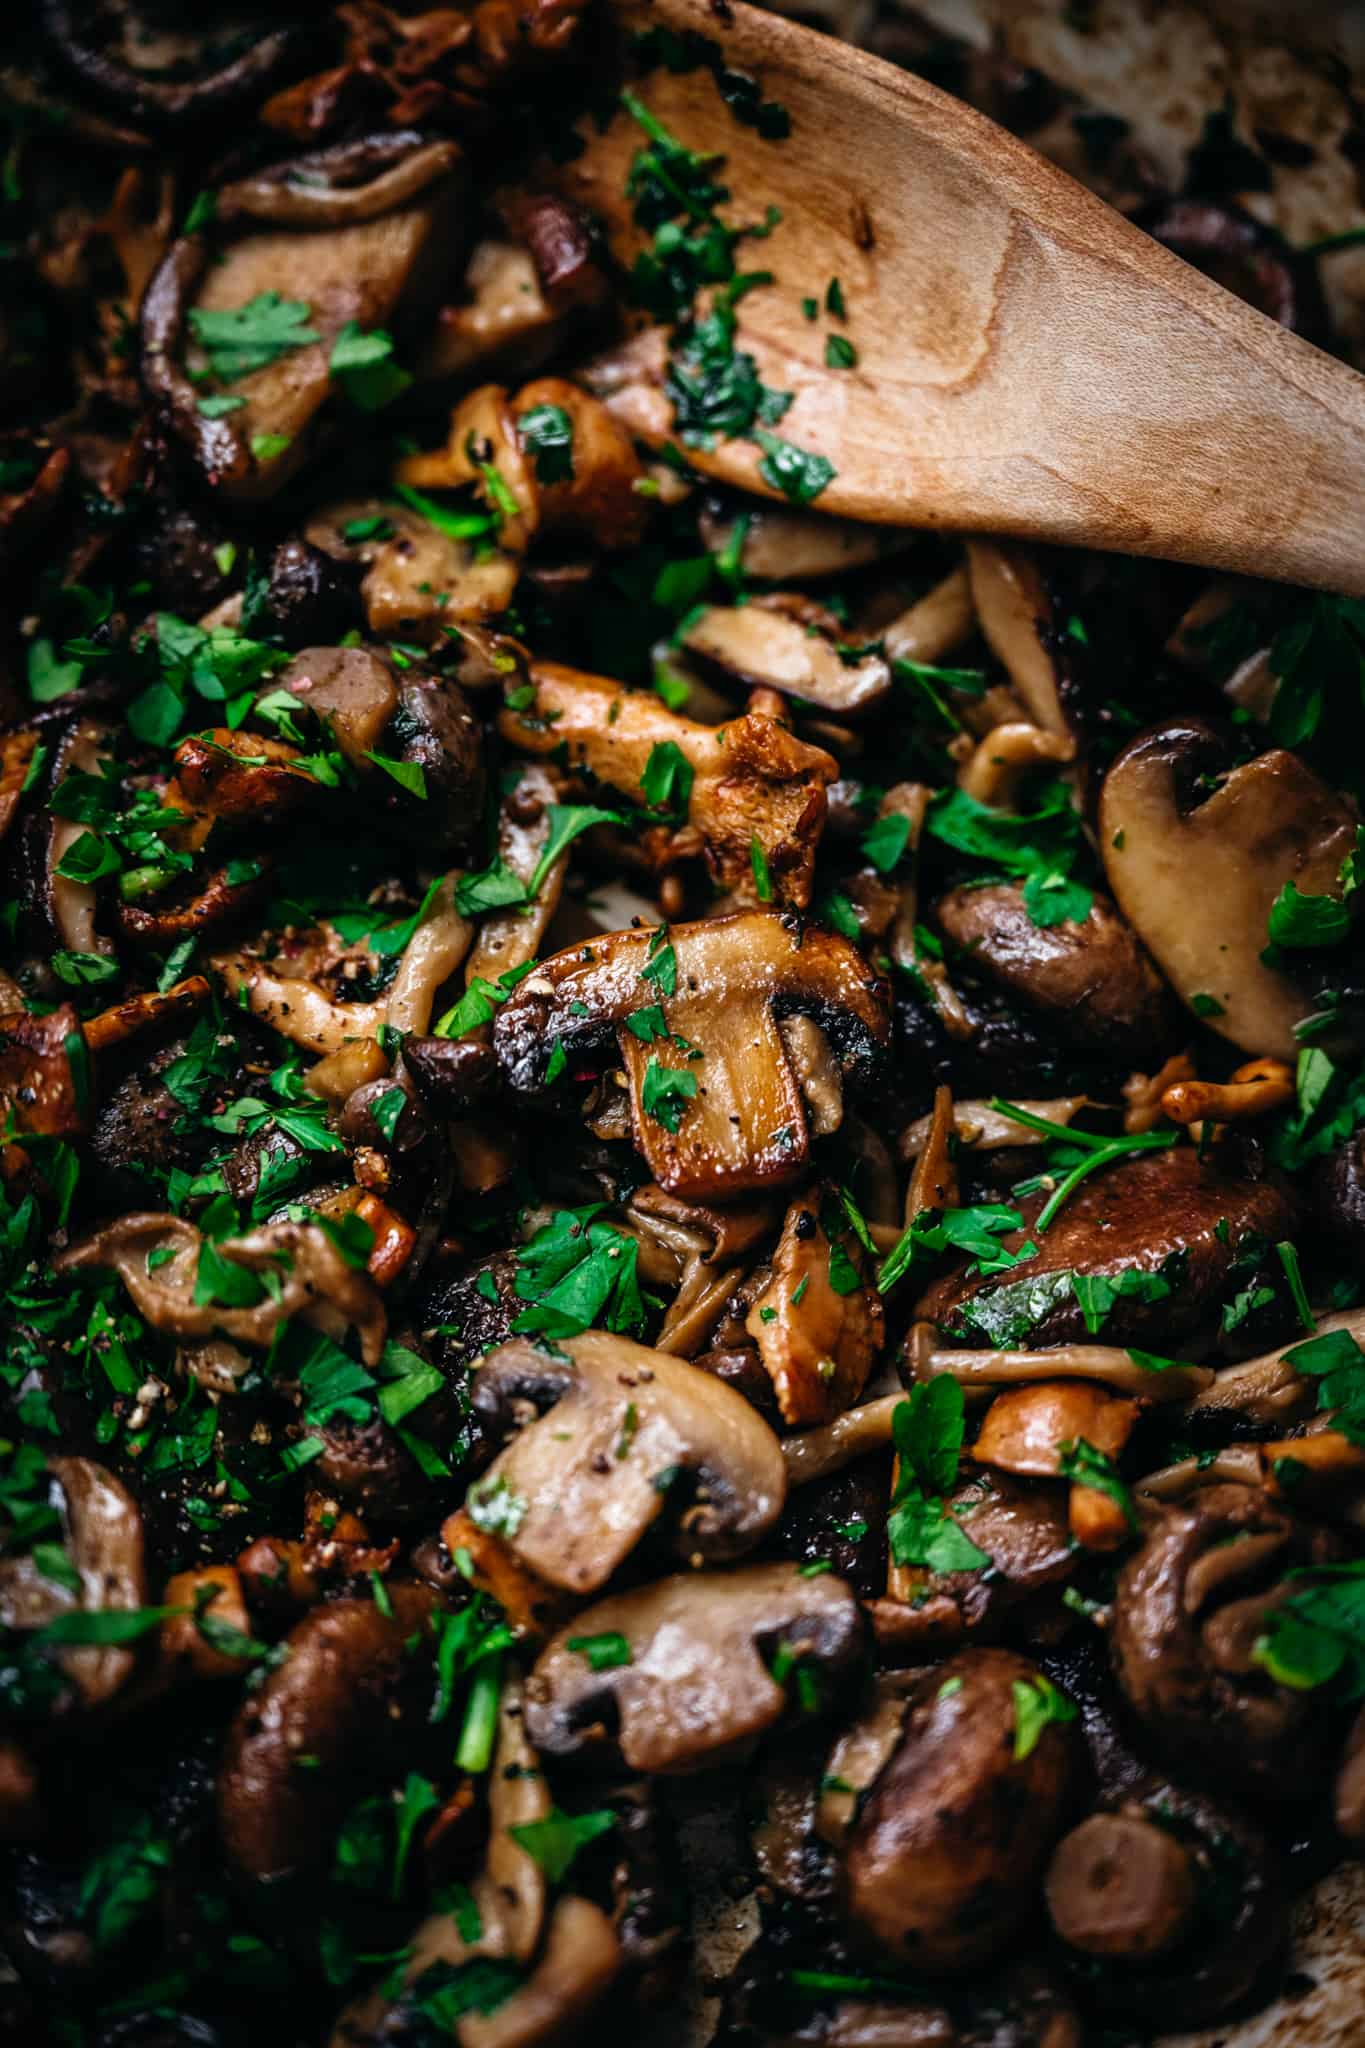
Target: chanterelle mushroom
{"type": "Point", "coordinates": [701, 1677]}
{"type": "Point", "coordinates": [575, 1490]}
{"type": "Point", "coordinates": [716, 1108]}
{"type": "Point", "coordinates": [748, 781]}
{"type": "Point", "coordinates": [1196, 874]}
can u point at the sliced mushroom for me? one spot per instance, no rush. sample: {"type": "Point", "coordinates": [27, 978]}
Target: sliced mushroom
{"type": "Point", "coordinates": [781, 544]}
{"type": "Point", "coordinates": [752, 780]}
{"type": "Point", "coordinates": [354, 1686]}
{"type": "Point", "coordinates": [949, 1842]}
{"type": "Point", "coordinates": [509, 938]}
{"type": "Point", "coordinates": [1196, 875]}
{"type": "Point", "coordinates": [1014, 612]}
{"type": "Point", "coordinates": [1091, 979]}
{"type": "Point", "coordinates": [237, 61]}
{"type": "Point", "coordinates": [697, 1687]}
{"type": "Point", "coordinates": [418, 579]}
{"type": "Point", "coordinates": [769, 649]}
{"type": "Point", "coordinates": [619, 1427]}
{"type": "Point", "coordinates": [597, 500]}
{"type": "Point", "coordinates": [1135, 1215]}
{"type": "Point", "coordinates": [103, 1540]}
{"type": "Point", "coordinates": [935, 624]}
{"type": "Point", "coordinates": [352, 688]}
{"type": "Point", "coordinates": [817, 1339]}
{"type": "Point", "coordinates": [308, 1278]}
{"type": "Point", "coordinates": [741, 1127]}
{"type": "Point", "coordinates": [44, 1073]}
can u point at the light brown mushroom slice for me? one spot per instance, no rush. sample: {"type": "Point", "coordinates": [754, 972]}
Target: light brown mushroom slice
{"type": "Point", "coordinates": [767, 649]}
{"type": "Point", "coordinates": [744, 1129]}
{"type": "Point", "coordinates": [782, 545]}
{"type": "Point", "coordinates": [818, 1072]}
{"type": "Point", "coordinates": [1321, 1472]}
{"type": "Point", "coordinates": [352, 687]}
{"type": "Point", "coordinates": [505, 319]}
{"type": "Point", "coordinates": [1005, 758]}
{"type": "Point", "coordinates": [73, 903]}
{"type": "Point", "coordinates": [313, 1280]}
{"type": "Point", "coordinates": [39, 1090]}
{"type": "Point", "coordinates": [575, 1490]}
{"type": "Point", "coordinates": [296, 1008]}
{"type": "Point", "coordinates": [817, 1345]}
{"type": "Point", "coordinates": [752, 778]}
{"type": "Point", "coordinates": [1024, 1428]}
{"type": "Point", "coordinates": [698, 1686]}
{"type": "Point", "coordinates": [977, 1127]}
{"type": "Point", "coordinates": [933, 1183]}
{"type": "Point", "coordinates": [102, 1532]}
{"type": "Point", "coordinates": [509, 938]}
{"type": "Point", "coordinates": [1014, 611]}
{"type": "Point", "coordinates": [935, 624]}
{"type": "Point", "coordinates": [858, 1757]}
{"type": "Point", "coordinates": [1197, 881]}
{"type": "Point", "coordinates": [356, 273]}
{"type": "Point", "coordinates": [418, 580]}
{"type": "Point", "coordinates": [979, 1372]}
{"type": "Point", "coordinates": [598, 500]}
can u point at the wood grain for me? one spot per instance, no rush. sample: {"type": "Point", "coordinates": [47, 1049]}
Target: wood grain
{"type": "Point", "coordinates": [1029, 363]}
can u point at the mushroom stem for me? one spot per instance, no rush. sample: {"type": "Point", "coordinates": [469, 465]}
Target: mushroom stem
{"type": "Point", "coordinates": [1006, 756]}
{"type": "Point", "coordinates": [1253, 1090]}
{"type": "Point", "coordinates": [1120, 1886]}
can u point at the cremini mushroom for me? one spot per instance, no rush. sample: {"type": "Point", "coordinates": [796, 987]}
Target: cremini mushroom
{"type": "Point", "coordinates": [1090, 978]}
{"type": "Point", "coordinates": [958, 1823]}
{"type": "Point", "coordinates": [103, 1540]}
{"type": "Point", "coordinates": [727, 1118]}
{"type": "Point", "coordinates": [749, 782]}
{"type": "Point", "coordinates": [352, 688]}
{"type": "Point", "coordinates": [354, 1685]}
{"type": "Point", "coordinates": [1196, 874]}
{"type": "Point", "coordinates": [818, 1322]}
{"type": "Point", "coordinates": [699, 1683]}
{"type": "Point", "coordinates": [770, 649]}
{"type": "Point", "coordinates": [622, 1431]}
{"type": "Point", "coordinates": [308, 1277]}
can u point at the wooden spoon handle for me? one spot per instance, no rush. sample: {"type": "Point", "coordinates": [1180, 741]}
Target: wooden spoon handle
{"type": "Point", "coordinates": [1028, 362]}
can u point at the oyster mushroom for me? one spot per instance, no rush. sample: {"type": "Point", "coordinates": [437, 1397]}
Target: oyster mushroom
{"type": "Point", "coordinates": [102, 1528]}
{"type": "Point", "coordinates": [741, 1127]}
{"type": "Point", "coordinates": [1196, 875]}
{"type": "Point", "coordinates": [698, 1685]}
{"type": "Point", "coordinates": [781, 544]}
{"type": "Point", "coordinates": [751, 780]}
{"type": "Point", "coordinates": [770, 649]}
{"type": "Point", "coordinates": [239, 61]}
{"type": "Point", "coordinates": [955, 1830]}
{"type": "Point", "coordinates": [576, 1489]}
{"type": "Point", "coordinates": [1090, 979]}
{"type": "Point", "coordinates": [1014, 612]}
{"type": "Point", "coordinates": [818, 1322]}
{"type": "Point", "coordinates": [354, 1686]}
{"type": "Point", "coordinates": [309, 1278]}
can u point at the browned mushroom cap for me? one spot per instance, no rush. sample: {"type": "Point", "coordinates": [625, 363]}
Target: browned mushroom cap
{"type": "Point", "coordinates": [238, 60]}
{"type": "Point", "coordinates": [1135, 1215]}
{"type": "Point", "coordinates": [743, 1126]}
{"type": "Point", "coordinates": [1118, 1885]}
{"type": "Point", "coordinates": [1188, 1608]}
{"type": "Point", "coordinates": [767, 648]}
{"type": "Point", "coordinates": [698, 1683]}
{"type": "Point", "coordinates": [752, 780]}
{"type": "Point", "coordinates": [361, 270]}
{"type": "Point", "coordinates": [308, 1278]}
{"type": "Point", "coordinates": [354, 1683]}
{"type": "Point", "coordinates": [1091, 979]}
{"type": "Point", "coordinates": [941, 1865]}
{"type": "Point", "coordinates": [102, 1528]}
{"type": "Point", "coordinates": [575, 1491]}
{"type": "Point", "coordinates": [1196, 875]}
{"type": "Point", "coordinates": [44, 1081]}
{"type": "Point", "coordinates": [817, 1341]}
{"type": "Point", "coordinates": [233, 775]}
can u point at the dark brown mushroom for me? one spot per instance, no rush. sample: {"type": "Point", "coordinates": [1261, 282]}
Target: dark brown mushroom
{"type": "Point", "coordinates": [355, 1684]}
{"type": "Point", "coordinates": [741, 1119]}
{"type": "Point", "coordinates": [45, 1082]}
{"type": "Point", "coordinates": [236, 61]}
{"type": "Point", "coordinates": [949, 1842]}
{"type": "Point", "coordinates": [1136, 1215]}
{"type": "Point", "coordinates": [1196, 874]}
{"type": "Point", "coordinates": [1091, 979]}
{"type": "Point", "coordinates": [699, 1682]}
{"type": "Point", "coordinates": [619, 1426]}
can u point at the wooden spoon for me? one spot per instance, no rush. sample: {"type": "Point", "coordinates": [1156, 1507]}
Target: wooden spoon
{"type": "Point", "coordinates": [1028, 362]}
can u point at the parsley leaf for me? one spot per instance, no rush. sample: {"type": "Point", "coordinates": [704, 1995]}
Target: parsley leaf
{"type": "Point", "coordinates": [928, 1430]}
{"type": "Point", "coordinates": [546, 433]}
{"type": "Point", "coordinates": [667, 778]}
{"type": "Point", "coordinates": [253, 336]}
{"type": "Point", "coordinates": [1299, 921]}
{"type": "Point", "coordinates": [555, 1843]}
{"type": "Point", "coordinates": [605, 1652]}
{"type": "Point", "coordinates": [1080, 1462]}
{"type": "Point", "coordinates": [665, 1093]}
{"type": "Point", "coordinates": [799, 474]}
{"type": "Point", "coordinates": [1317, 1636]}
{"type": "Point", "coordinates": [575, 1270]}
{"type": "Point", "coordinates": [363, 365]}
{"type": "Point", "coordinates": [1037, 1703]}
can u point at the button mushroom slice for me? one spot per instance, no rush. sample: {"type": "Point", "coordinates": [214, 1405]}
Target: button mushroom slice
{"type": "Point", "coordinates": [355, 1684]}
{"type": "Point", "coordinates": [767, 649]}
{"type": "Point", "coordinates": [103, 1539]}
{"type": "Point", "coordinates": [1135, 1215]}
{"type": "Point", "coordinates": [309, 1278]}
{"type": "Point", "coordinates": [781, 545]}
{"type": "Point", "coordinates": [752, 779]}
{"type": "Point", "coordinates": [935, 624]}
{"type": "Point", "coordinates": [817, 1340]}
{"type": "Point", "coordinates": [818, 1072]}
{"type": "Point", "coordinates": [361, 271]}
{"type": "Point", "coordinates": [1267, 823]}
{"type": "Point", "coordinates": [698, 1686]}
{"type": "Point", "coordinates": [1014, 613]}
{"type": "Point", "coordinates": [859, 1757]}
{"type": "Point", "coordinates": [44, 1073]}
{"type": "Point", "coordinates": [1092, 978]}
{"type": "Point", "coordinates": [575, 1490]}
{"type": "Point", "coordinates": [743, 1130]}
{"type": "Point", "coordinates": [941, 1864]}
{"type": "Point", "coordinates": [1118, 1885]}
